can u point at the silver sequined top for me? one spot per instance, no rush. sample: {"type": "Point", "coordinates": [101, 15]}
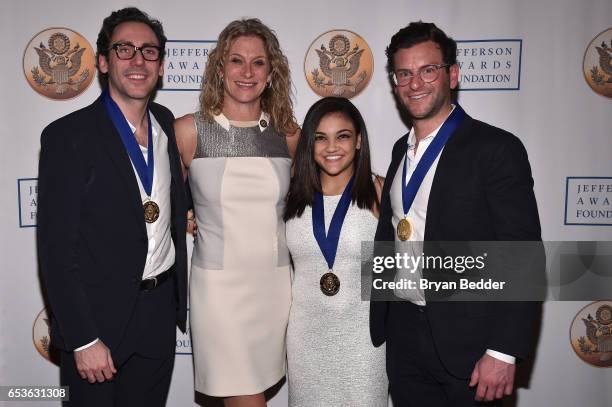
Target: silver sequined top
{"type": "Point", "coordinates": [216, 141]}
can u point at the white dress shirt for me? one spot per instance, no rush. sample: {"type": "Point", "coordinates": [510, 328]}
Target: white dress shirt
{"type": "Point", "coordinates": [160, 253]}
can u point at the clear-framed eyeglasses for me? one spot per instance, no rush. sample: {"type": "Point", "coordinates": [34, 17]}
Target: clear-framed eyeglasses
{"type": "Point", "coordinates": [128, 51]}
{"type": "Point", "coordinates": [427, 73]}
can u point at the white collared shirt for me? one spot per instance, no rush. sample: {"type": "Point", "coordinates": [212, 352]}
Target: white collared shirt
{"type": "Point", "coordinates": [160, 253]}
{"type": "Point", "coordinates": [417, 213]}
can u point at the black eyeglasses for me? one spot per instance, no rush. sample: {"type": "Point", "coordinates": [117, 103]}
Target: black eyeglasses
{"type": "Point", "coordinates": [427, 73]}
{"type": "Point", "coordinates": [128, 51]}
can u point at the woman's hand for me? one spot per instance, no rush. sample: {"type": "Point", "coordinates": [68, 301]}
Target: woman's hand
{"type": "Point", "coordinates": [192, 226]}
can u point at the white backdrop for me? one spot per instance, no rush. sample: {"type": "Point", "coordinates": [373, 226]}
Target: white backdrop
{"type": "Point", "coordinates": [564, 125]}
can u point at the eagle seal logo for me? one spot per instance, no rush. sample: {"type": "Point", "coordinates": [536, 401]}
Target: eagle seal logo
{"type": "Point", "coordinates": [59, 63]}
{"type": "Point", "coordinates": [597, 64]}
{"type": "Point", "coordinates": [338, 63]}
{"type": "Point", "coordinates": [591, 334]}
{"type": "Point", "coordinates": [41, 337]}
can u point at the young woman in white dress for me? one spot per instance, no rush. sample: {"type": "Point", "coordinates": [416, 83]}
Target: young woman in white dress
{"type": "Point", "coordinates": [332, 207]}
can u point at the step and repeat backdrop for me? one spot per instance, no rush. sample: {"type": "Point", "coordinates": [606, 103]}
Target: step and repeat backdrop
{"type": "Point", "coordinates": [540, 69]}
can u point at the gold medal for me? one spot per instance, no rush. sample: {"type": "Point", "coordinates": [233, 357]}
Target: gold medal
{"type": "Point", "coordinates": [330, 284]}
{"type": "Point", "coordinates": [404, 229]}
{"type": "Point", "coordinates": [151, 211]}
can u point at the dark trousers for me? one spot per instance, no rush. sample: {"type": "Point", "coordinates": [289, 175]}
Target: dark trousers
{"type": "Point", "coordinates": [144, 359]}
{"type": "Point", "coordinates": [417, 377]}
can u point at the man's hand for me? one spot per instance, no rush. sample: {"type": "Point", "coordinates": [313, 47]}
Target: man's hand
{"type": "Point", "coordinates": [494, 378]}
{"type": "Point", "coordinates": [95, 363]}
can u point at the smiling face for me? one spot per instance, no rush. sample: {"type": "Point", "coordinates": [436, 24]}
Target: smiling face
{"type": "Point", "coordinates": [335, 146]}
{"type": "Point", "coordinates": [426, 102]}
{"type": "Point", "coordinates": [133, 79]}
{"type": "Point", "coordinates": [246, 72]}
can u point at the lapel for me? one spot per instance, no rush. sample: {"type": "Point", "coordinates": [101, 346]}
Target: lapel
{"type": "Point", "coordinates": [109, 139]}
{"type": "Point", "coordinates": [395, 162]}
{"type": "Point", "coordinates": [385, 230]}
{"type": "Point", "coordinates": [440, 184]}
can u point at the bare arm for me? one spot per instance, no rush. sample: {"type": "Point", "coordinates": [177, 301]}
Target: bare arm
{"type": "Point", "coordinates": [186, 140]}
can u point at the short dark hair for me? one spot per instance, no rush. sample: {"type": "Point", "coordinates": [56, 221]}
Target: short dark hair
{"type": "Point", "coordinates": [305, 181]}
{"type": "Point", "coordinates": [418, 32]}
{"type": "Point", "coordinates": [125, 15]}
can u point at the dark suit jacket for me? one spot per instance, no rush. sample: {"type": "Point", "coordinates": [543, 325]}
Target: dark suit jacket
{"type": "Point", "coordinates": [92, 239]}
{"type": "Point", "coordinates": [482, 191]}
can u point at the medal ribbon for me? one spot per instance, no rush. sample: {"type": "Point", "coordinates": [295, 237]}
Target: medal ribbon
{"type": "Point", "coordinates": [329, 244]}
{"type": "Point", "coordinates": [143, 169]}
{"type": "Point", "coordinates": [410, 190]}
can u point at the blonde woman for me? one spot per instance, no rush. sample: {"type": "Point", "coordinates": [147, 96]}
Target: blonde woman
{"type": "Point", "coordinates": [237, 152]}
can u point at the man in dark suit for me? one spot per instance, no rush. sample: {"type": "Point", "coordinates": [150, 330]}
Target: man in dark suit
{"type": "Point", "coordinates": [476, 187]}
{"type": "Point", "coordinates": [112, 219]}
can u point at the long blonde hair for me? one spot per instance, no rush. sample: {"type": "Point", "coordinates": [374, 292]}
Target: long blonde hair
{"type": "Point", "coordinates": [275, 100]}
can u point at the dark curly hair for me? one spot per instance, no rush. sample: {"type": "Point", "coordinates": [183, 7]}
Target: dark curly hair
{"type": "Point", "coordinates": [416, 33]}
{"type": "Point", "coordinates": [128, 14]}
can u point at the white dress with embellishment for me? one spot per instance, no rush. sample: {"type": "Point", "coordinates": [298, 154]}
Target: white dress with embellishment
{"type": "Point", "coordinates": [331, 359]}
{"type": "Point", "coordinates": [240, 288]}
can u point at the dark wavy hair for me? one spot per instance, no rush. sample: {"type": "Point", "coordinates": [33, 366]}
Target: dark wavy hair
{"type": "Point", "coordinates": [305, 181]}
{"type": "Point", "coordinates": [128, 14]}
{"type": "Point", "coordinates": [418, 32]}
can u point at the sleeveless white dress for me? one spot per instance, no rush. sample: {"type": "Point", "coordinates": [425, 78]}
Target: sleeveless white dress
{"type": "Point", "coordinates": [240, 287]}
{"type": "Point", "coordinates": [331, 359]}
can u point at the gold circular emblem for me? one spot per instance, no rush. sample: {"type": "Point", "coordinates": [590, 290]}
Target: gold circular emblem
{"type": "Point", "coordinates": [404, 229]}
{"type": "Point", "coordinates": [604, 315]}
{"type": "Point", "coordinates": [59, 43]}
{"type": "Point", "coordinates": [41, 337]}
{"type": "Point", "coordinates": [63, 68]}
{"type": "Point", "coordinates": [151, 211]}
{"type": "Point", "coordinates": [597, 64]}
{"type": "Point", "coordinates": [338, 63]}
{"type": "Point", "coordinates": [263, 123]}
{"type": "Point", "coordinates": [330, 284]}
{"type": "Point", "coordinates": [339, 45]}
{"type": "Point", "coordinates": [591, 334]}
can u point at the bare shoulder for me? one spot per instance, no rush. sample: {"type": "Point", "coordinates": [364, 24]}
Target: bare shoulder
{"type": "Point", "coordinates": [185, 125]}
{"type": "Point", "coordinates": [185, 132]}
{"type": "Point", "coordinates": [379, 182]}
